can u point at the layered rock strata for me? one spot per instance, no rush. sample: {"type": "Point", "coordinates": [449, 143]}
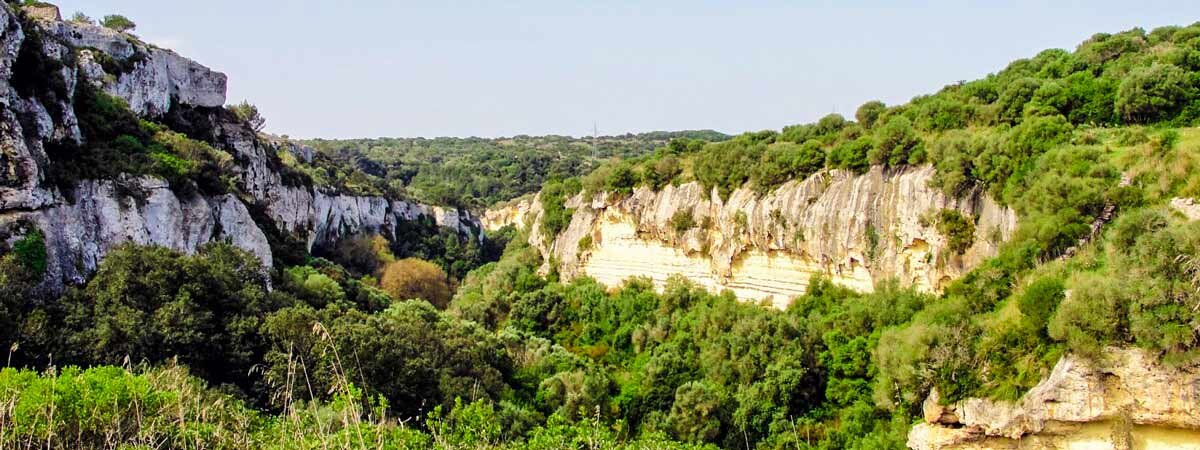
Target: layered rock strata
{"type": "Point", "coordinates": [856, 230]}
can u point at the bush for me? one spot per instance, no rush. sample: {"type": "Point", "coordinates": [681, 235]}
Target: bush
{"type": "Point", "coordinates": [869, 112]}
{"type": "Point", "coordinates": [622, 179]}
{"type": "Point", "coordinates": [413, 278]}
{"type": "Point", "coordinates": [154, 304]}
{"type": "Point", "coordinates": [957, 229]}
{"type": "Point", "coordinates": [556, 216]}
{"type": "Point", "coordinates": [953, 156]}
{"type": "Point", "coordinates": [896, 143]}
{"type": "Point", "coordinates": [785, 161]}
{"type": "Point", "coordinates": [413, 355]}
{"type": "Point", "coordinates": [1016, 150]}
{"type": "Point", "coordinates": [30, 252]}
{"type": "Point", "coordinates": [1039, 301]}
{"type": "Point", "coordinates": [682, 221]}
{"type": "Point", "coordinates": [118, 23]}
{"type": "Point", "coordinates": [695, 415]}
{"type": "Point", "coordinates": [852, 155]}
{"type": "Point", "coordinates": [1011, 104]}
{"type": "Point", "coordinates": [1094, 316]}
{"type": "Point", "coordinates": [728, 165]}
{"type": "Point", "coordinates": [1153, 93]}
{"type": "Point", "coordinates": [941, 114]}
{"type": "Point", "coordinates": [663, 171]}
{"type": "Point", "coordinates": [248, 114]}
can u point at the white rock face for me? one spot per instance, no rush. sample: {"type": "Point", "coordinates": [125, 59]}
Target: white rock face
{"type": "Point", "coordinates": [1126, 401]}
{"type": "Point", "coordinates": [853, 229]}
{"type": "Point", "coordinates": [20, 170]}
{"type": "Point", "coordinates": [105, 215]}
{"type": "Point", "coordinates": [157, 77]}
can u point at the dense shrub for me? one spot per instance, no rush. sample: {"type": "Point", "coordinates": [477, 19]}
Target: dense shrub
{"type": "Point", "coordinates": [682, 221]}
{"type": "Point", "coordinates": [1011, 104]}
{"type": "Point", "coordinates": [556, 216]}
{"type": "Point", "coordinates": [118, 23]}
{"type": "Point", "coordinates": [728, 165]}
{"type": "Point", "coordinates": [783, 162]}
{"type": "Point", "coordinates": [953, 155]}
{"type": "Point", "coordinates": [1095, 316]}
{"type": "Point", "coordinates": [869, 112]}
{"type": "Point", "coordinates": [412, 354]}
{"type": "Point", "coordinates": [1039, 301]}
{"type": "Point", "coordinates": [476, 172]}
{"type": "Point", "coordinates": [413, 278]}
{"type": "Point", "coordinates": [153, 304]}
{"type": "Point", "coordinates": [852, 155]}
{"type": "Point", "coordinates": [30, 252]}
{"type": "Point", "coordinates": [958, 230]}
{"type": "Point", "coordinates": [897, 143]}
{"type": "Point", "coordinates": [1150, 94]}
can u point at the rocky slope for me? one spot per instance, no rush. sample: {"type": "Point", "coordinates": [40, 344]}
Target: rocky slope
{"type": "Point", "coordinates": [1126, 401]}
{"type": "Point", "coordinates": [80, 226]}
{"type": "Point", "coordinates": [854, 229]}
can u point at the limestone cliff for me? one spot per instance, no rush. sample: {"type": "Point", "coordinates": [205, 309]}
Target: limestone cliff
{"type": "Point", "coordinates": [1127, 400]}
{"type": "Point", "coordinates": [81, 225]}
{"type": "Point", "coordinates": [854, 229]}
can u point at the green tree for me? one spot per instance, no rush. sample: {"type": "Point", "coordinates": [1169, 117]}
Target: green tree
{"type": "Point", "coordinates": [957, 229]}
{"type": "Point", "coordinates": [852, 155]}
{"type": "Point", "coordinates": [1011, 104]}
{"type": "Point", "coordinates": [248, 113]}
{"type": "Point", "coordinates": [869, 113]}
{"type": "Point", "coordinates": [1153, 93]}
{"type": "Point", "coordinates": [622, 179]}
{"type": "Point", "coordinates": [118, 23]}
{"type": "Point", "coordinates": [695, 415]}
{"type": "Point", "coordinates": [896, 143]}
{"type": "Point", "coordinates": [1039, 301]}
{"type": "Point", "coordinates": [153, 304]}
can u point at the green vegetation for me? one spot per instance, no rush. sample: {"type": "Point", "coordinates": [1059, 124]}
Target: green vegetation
{"type": "Point", "coordinates": [167, 408]}
{"type": "Point", "coordinates": [248, 113]}
{"type": "Point", "coordinates": [333, 352]}
{"type": "Point", "coordinates": [682, 221]}
{"type": "Point", "coordinates": [957, 229]}
{"type": "Point", "coordinates": [987, 132]}
{"type": "Point", "coordinates": [556, 362]}
{"type": "Point", "coordinates": [555, 215]}
{"type": "Point", "coordinates": [476, 172]}
{"type": "Point", "coordinates": [118, 23]}
{"type": "Point", "coordinates": [30, 252]}
{"type": "Point", "coordinates": [118, 143]}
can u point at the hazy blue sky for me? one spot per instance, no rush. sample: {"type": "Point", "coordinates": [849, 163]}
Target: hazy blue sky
{"type": "Point", "coordinates": [369, 68]}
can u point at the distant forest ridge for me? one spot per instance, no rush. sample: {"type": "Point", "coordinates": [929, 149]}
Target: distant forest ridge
{"type": "Point", "coordinates": [473, 172]}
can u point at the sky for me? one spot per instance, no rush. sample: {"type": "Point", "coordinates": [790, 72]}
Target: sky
{"type": "Point", "coordinates": [373, 68]}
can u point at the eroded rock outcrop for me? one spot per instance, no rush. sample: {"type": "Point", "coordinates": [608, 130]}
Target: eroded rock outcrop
{"type": "Point", "coordinates": [854, 229]}
{"type": "Point", "coordinates": [147, 77]}
{"type": "Point", "coordinates": [43, 63]}
{"type": "Point", "coordinates": [1127, 400]}
{"type": "Point", "coordinates": [78, 234]}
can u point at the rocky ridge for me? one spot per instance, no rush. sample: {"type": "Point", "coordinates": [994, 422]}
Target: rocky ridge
{"type": "Point", "coordinates": [80, 226]}
{"type": "Point", "coordinates": [854, 229]}
{"type": "Point", "coordinates": [1127, 400]}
